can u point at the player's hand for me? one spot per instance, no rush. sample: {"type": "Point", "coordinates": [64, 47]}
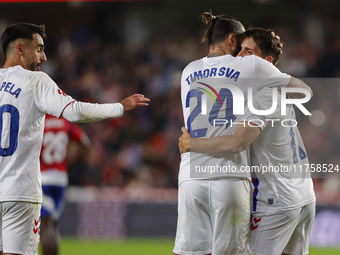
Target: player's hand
{"type": "Point", "coordinates": [279, 43]}
{"type": "Point", "coordinates": [133, 101]}
{"type": "Point", "coordinates": [184, 141]}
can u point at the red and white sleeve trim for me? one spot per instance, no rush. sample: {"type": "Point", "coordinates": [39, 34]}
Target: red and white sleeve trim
{"type": "Point", "coordinates": [291, 77]}
{"type": "Point", "coordinates": [65, 108]}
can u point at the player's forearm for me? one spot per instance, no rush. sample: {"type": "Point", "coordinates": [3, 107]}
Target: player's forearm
{"type": "Point", "coordinates": [235, 143]}
{"type": "Point", "coordinates": [297, 83]}
{"type": "Point", "coordinates": [87, 112]}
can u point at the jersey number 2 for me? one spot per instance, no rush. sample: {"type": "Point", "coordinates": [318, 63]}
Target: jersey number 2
{"type": "Point", "coordinates": [225, 95]}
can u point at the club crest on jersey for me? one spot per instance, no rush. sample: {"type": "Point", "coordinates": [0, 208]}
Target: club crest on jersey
{"type": "Point", "coordinates": [61, 92]}
{"type": "Point", "coordinates": [10, 88]}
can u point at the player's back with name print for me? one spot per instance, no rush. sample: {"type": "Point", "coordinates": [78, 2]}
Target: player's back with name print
{"type": "Point", "coordinates": [19, 118]}
{"type": "Point", "coordinates": [19, 106]}
{"type": "Point", "coordinates": [22, 117]}
{"type": "Point", "coordinates": [214, 86]}
{"type": "Point", "coordinates": [17, 87]}
{"type": "Point", "coordinates": [210, 90]}
{"type": "Point", "coordinates": [232, 69]}
{"type": "Point", "coordinates": [204, 82]}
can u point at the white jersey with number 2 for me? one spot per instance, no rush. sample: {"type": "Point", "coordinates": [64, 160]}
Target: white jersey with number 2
{"type": "Point", "coordinates": [209, 89]}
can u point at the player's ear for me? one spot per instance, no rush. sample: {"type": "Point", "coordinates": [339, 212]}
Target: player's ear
{"type": "Point", "coordinates": [232, 42]}
{"type": "Point", "coordinates": [20, 48]}
{"type": "Point", "coordinates": [269, 59]}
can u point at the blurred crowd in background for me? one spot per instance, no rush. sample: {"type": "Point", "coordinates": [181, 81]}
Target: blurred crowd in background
{"type": "Point", "coordinates": [103, 52]}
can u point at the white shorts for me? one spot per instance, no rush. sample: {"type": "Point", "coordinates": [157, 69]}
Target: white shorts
{"type": "Point", "coordinates": [20, 225]}
{"type": "Point", "coordinates": [213, 217]}
{"type": "Point", "coordinates": [282, 232]}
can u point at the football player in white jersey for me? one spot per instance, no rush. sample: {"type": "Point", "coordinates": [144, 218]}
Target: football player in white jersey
{"type": "Point", "coordinates": [214, 195]}
{"type": "Point", "coordinates": [26, 95]}
{"type": "Point", "coordinates": [283, 200]}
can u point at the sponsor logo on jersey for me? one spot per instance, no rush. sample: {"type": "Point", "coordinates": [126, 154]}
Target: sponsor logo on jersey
{"type": "Point", "coordinates": [61, 92]}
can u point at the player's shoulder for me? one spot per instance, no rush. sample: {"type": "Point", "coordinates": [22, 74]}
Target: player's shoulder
{"type": "Point", "coordinates": [40, 75]}
{"type": "Point", "coordinates": [246, 59]}
{"type": "Point", "coordinates": [253, 60]}
{"type": "Point", "coordinates": [31, 75]}
{"type": "Point", "coordinates": [17, 71]}
{"type": "Point", "coordinates": [263, 68]}
{"type": "Point", "coordinates": [263, 64]}
{"type": "Point", "coordinates": [193, 64]}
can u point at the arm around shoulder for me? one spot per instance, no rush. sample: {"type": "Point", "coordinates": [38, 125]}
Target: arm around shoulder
{"type": "Point", "coordinates": [297, 83]}
{"type": "Point", "coordinates": [235, 143]}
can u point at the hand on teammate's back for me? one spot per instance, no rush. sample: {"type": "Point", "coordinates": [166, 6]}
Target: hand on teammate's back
{"type": "Point", "coordinates": [133, 101]}
{"type": "Point", "coordinates": [184, 141]}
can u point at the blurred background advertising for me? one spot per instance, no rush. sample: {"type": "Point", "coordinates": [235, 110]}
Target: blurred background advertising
{"type": "Point", "coordinates": [103, 51]}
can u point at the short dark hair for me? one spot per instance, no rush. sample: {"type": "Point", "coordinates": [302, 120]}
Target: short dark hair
{"type": "Point", "coordinates": [21, 30]}
{"type": "Point", "coordinates": [221, 26]}
{"type": "Point", "coordinates": [265, 41]}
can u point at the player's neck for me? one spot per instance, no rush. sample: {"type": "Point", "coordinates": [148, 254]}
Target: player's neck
{"type": "Point", "coordinates": [10, 62]}
{"type": "Point", "coordinates": [218, 50]}
{"type": "Point", "coordinates": [214, 54]}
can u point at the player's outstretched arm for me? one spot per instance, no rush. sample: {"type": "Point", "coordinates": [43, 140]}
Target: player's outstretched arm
{"type": "Point", "coordinates": [235, 143]}
{"type": "Point", "coordinates": [86, 112]}
{"type": "Point", "coordinates": [133, 101]}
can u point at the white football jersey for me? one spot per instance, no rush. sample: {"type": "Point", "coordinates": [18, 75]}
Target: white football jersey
{"type": "Point", "coordinates": [213, 92]}
{"type": "Point", "coordinates": [281, 176]}
{"type": "Point", "coordinates": [25, 98]}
